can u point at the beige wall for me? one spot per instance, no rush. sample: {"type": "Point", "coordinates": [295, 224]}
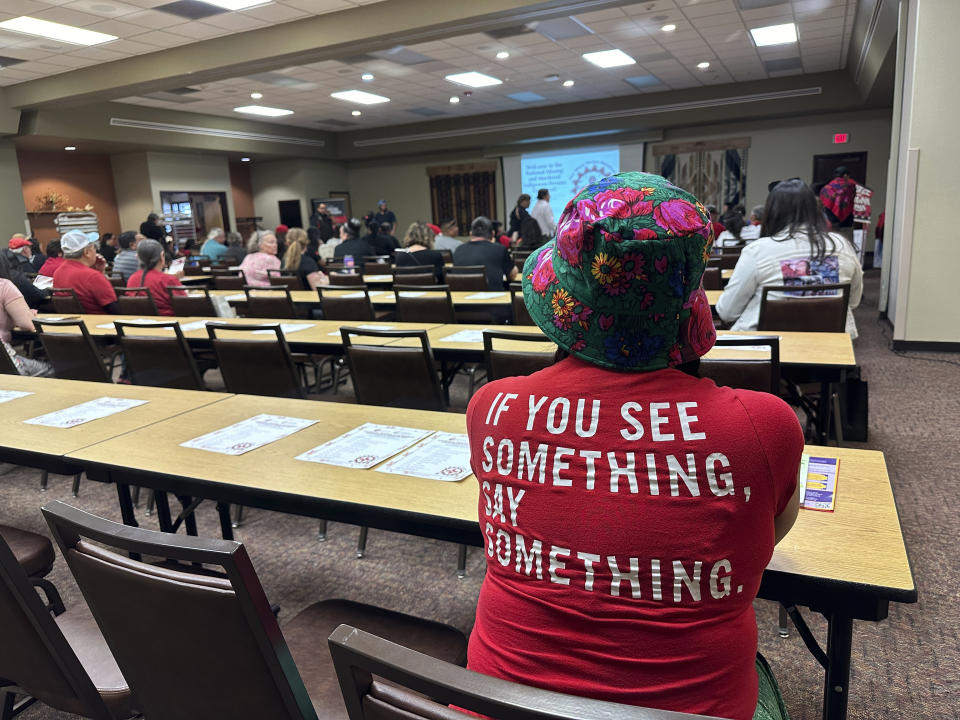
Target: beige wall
{"type": "Point", "coordinates": [131, 183]}
{"type": "Point", "coordinates": [300, 179]}
{"type": "Point", "coordinates": [12, 212]}
{"type": "Point", "coordinates": [174, 172]}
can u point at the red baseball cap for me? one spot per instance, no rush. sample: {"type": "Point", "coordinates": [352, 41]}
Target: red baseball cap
{"type": "Point", "coordinates": [19, 242]}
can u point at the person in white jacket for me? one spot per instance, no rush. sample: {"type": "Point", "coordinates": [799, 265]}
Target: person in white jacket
{"type": "Point", "coordinates": [794, 248]}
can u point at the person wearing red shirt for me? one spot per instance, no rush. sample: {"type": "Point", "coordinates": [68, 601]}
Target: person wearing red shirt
{"type": "Point", "coordinates": [628, 507]}
{"type": "Point", "coordinates": [151, 275]}
{"type": "Point", "coordinates": [83, 271]}
{"type": "Point", "coordinates": [54, 259]}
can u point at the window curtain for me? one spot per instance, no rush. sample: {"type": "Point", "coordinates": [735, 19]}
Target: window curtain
{"type": "Point", "coordinates": [463, 192]}
{"type": "Point", "coordinates": [715, 171]}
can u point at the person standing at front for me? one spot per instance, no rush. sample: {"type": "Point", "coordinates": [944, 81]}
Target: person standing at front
{"type": "Point", "coordinates": [543, 214]}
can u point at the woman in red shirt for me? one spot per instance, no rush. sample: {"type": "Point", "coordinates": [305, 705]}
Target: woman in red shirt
{"type": "Point", "coordinates": [629, 508]}
{"type": "Point", "coordinates": [151, 275]}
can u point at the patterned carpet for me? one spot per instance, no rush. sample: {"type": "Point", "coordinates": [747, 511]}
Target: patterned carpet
{"type": "Point", "coordinates": [904, 667]}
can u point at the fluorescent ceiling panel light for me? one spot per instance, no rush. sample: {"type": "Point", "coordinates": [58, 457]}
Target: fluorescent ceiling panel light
{"type": "Point", "coordinates": [609, 58]}
{"type": "Point", "coordinates": [56, 31]}
{"type": "Point", "coordinates": [236, 4]}
{"type": "Point", "coordinates": [360, 96]}
{"type": "Point", "coordinates": [263, 110]}
{"type": "Point", "coordinates": [642, 81]}
{"type": "Point", "coordinates": [473, 79]}
{"type": "Point", "coordinates": [774, 35]}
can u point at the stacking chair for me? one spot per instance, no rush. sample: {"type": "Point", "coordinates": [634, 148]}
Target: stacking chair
{"type": "Point", "coordinates": [38, 659]}
{"type": "Point", "coordinates": [343, 279]}
{"type": "Point", "coordinates": [233, 281]}
{"type": "Point", "coordinates": [383, 680]}
{"type": "Point", "coordinates": [34, 553]}
{"type": "Point", "coordinates": [466, 278]}
{"type": "Point", "coordinates": [196, 304]}
{"type": "Point", "coordinates": [711, 279]}
{"type": "Point", "coordinates": [255, 367]}
{"type": "Point", "coordinates": [159, 361]}
{"type": "Point", "coordinates": [520, 258]}
{"type": "Point", "coordinates": [66, 302]}
{"type": "Point", "coordinates": [136, 301]}
{"type": "Point", "coordinates": [7, 366]}
{"type": "Point", "coordinates": [116, 279]}
{"type": "Point", "coordinates": [269, 302]}
{"type": "Point", "coordinates": [414, 275]}
{"type": "Point", "coordinates": [521, 316]}
{"type": "Point", "coordinates": [762, 375]}
{"type": "Point", "coordinates": [814, 311]}
{"type": "Point", "coordinates": [74, 356]}
{"type": "Point", "coordinates": [370, 262]}
{"type": "Point", "coordinates": [352, 306]}
{"type": "Point", "coordinates": [285, 278]}
{"type": "Point", "coordinates": [434, 306]}
{"type": "Point", "coordinates": [510, 363]}
{"type": "Point", "coordinates": [447, 256]}
{"type": "Point", "coordinates": [241, 666]}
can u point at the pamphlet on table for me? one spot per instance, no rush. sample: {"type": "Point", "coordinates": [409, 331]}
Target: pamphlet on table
{"type": "Point", "coordinates": [818, 485]}
{"type": "Point", "coordinates": [365, 446]}
{"type": "Point", "coordinates": [442, 456]}
{"type": "Point", "coordinates": [249, 434]}
{"type": "Point", "coordinates": [85, 412]}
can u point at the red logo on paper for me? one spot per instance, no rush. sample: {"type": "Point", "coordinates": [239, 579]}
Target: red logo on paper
{"type": "Point", "coordinates": [451, 471]}
{"type": "Point", "coordinates": [365, 459]}
{"type": "Point", "coordinates": [242, 446]}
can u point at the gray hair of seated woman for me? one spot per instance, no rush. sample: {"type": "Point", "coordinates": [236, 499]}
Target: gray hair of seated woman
{"type": "Point", "coordinates": [257, 237]}
{"type": "Point", "coordinates": [149, 253]}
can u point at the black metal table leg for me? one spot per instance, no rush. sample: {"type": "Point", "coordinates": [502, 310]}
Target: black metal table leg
{"type": "Point", "coordinates": [163, 511]}
{"type": "Point", "coordinates": [126, 505]}
{"type": "Point", "coordinates": [190, 521]}
{"type": "Point", "coordinates": [823, 413]}
{"type": "Point", "coordinates": [226, 524]}
{"type": "Point", "coordinates": [836, 685]}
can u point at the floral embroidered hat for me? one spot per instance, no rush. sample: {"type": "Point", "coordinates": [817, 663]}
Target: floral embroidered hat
{"type": "Point", "coordinates": [620, 285]}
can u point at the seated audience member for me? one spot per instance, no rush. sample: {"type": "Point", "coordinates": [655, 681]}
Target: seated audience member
{"type": "Point", "coordinates": [20, 252]}
{"type": "Point", "coordinates": [481, 249]}
{"type": "Point", "coordinates": [418, 250]}
{"type": "Point", "coordinates": [373, 229]}
{"type": "Point", "coordinates": [715, 220]}
{"type": "Point", "coordinates": [126, 262]}
{"type": "Point", "coordinates": [297, 260]}
{"type": "Point", "coordinates": [314, 241]}
{"type": "Point", "coordinates": [151, 275]}
{"type": "Point", "coordinates": [261, 257]}
{"type": "Point", "coordinates": [153, 228]}
{"type": "Point", "coordinates": [531, 236]}
{"type": "Point", "coordinates": [281, 234]}
{"type": "Point", "coordinates": [751, 231]}
{"type": "Point", "coordinates": [446, 239]}
{"type": "Point", "coordinates": [499, 236]}
{"type": "Point", "coordinates": [108, 247]}
{"type": "Point", "coordinates": [235, 251]}
{"type": "Point", "coordinates": [38, 257]}
{"type": "Point", "coordinates": [20, 273]}
{"type": "Point", "coordinates": [214, 247]}
{"type": "Point", "coordinates": [83, 271]}
{"type": "Point", "coordinates": [54, 259]}
{"type": "Point", "coordinates": [732, 236]}
{"type": "Point", "coordinates": [631, 591]}
{"type": "Point", "coordinates": [14, 312]}
{"type": "Point", "coordinates": [384, 243]}
{"type": "Point", "coordinates": [351, 243]}
{"type": "Point", "coordinates": [795, 249]}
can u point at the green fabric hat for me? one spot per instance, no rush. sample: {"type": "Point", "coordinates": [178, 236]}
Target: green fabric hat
{"type": "Point", "coordinates": [620, 285]}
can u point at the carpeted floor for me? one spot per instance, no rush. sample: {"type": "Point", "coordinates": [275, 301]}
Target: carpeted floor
{"type": "Point", "coordinates": [904, 667]}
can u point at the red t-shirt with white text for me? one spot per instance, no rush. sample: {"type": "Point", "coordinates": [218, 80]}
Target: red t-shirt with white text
{"type": "Point", "coordinates": [627, 520]}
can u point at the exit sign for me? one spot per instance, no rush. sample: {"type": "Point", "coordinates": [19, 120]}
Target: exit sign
{"type": "Point", "coordinates": [840, 138]}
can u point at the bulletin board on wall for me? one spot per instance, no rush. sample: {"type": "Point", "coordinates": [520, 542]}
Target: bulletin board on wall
{"type": "Point", "coordinates": [715, 171]}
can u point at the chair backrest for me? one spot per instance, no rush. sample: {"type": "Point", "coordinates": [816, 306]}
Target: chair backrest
{"type": "Point", "coordinates": [354, 305]}
{"type": "Point", "coordinates": [136, 301]}
{"type": "Point", "coordinates": [424, 303]}
{"type": "Point", "coordinates": [726, 261]}
{"type": "Point", "coordinates": [520, 258]}
{"type": "Point", "coordinates": [462, 278]}
{"type": "Point", "coordinates": [820, 308]}
{"type": "Point", "coordinates": [412, 381]}
{"type": "Point", "coordinates": [345, 279]}
{"type": "Point", "coordinates": [412, 269]}
{"type": "Point", "coordinates": [510, 363]}
{"type": "Point", "coordinates": [255, 367]}
{"type": "Point", "coordinates": [232, 281]}
{"type": "Point", "coordinates": [414, 275]}
{"type": "Point", "coordinates": [7, 365]}
{"type": "Point", "coordinates": [159, 361]}
{"type": "Point", "coordinates": [116, 279]}
{"type": "Point", "coordinates": [762, 375]}
{"type": "Point", "coordinates": [375, 260]}
{"type": "Point", "coordinates": [410, 675]}
{"type": "Point", "coordinates": [284, 278]}
{"type": "Point", "coordinates": [195, 304]}
{"type": "Point", "coordinates": [711, 279]}
{"type": "Point", "coordinates": [521, 316]}
{"type": "Point", "coordinates": [66, 302]}
{"type": "Point", "coordinates": [240, 666]}
{"type": "Point", "coordinates": [447, 255]}
{"type": "Point", "coordinates": [269, 302]}
{"type": "Point", "coordinates": [73, 355]}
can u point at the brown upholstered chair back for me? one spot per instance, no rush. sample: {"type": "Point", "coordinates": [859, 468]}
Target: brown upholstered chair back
{"type": "Point", "coordinates": [447, 255]}
{"type": "Point", "coordinates": [66, 302]}
{"type": "Point", "coordinates": [73, 355]}
{"type": "Point", "coordinates": [159, 361]}
{"type": "Point", "coordinates": [464, 278]}
{"type": "Point", "coordinates": [414, 275]}
{"type": "Point", "coordinates": [350, 306]}
{"type": "Point", "coordinates": [821, 308]}
{"type": "Point", "coordinates": [155, 616]}
{"type": "Point", "coordinates": [762, 375]}
{"type": "Point", "coordinates": [34, 655]}
{"type": "Point", "coordinates": [411, 270]}
{"type": "Point", "coordinates": [711, 279]}
{"type": "Point", "coordinates": [520, 258]}
{"type": "Point", "coordinates": [521, 316]}
{"type": "Point", "coordinates": [424, 303]}
{"type": "Point", "coordinates": [196, 304]}
{"type": "Point", "coordinates": [510, 363]}
{"type": "Point", "coordinates": [270, 302]}
{"type": "Point", "coordinates": [117, 280]}
{"type": "Point", "coordinates": [136, 301]}
{"type": "Point", "coordinates": [370, 262]}
{"type": "Point", "coordinates": [345, 279]}
{"type": "Point", "coordinates": [285, 278]}
{"type": "Point", "coordinates": [420, 687]}
{"type": "Point", "coordinates": [412, 381]}
{"type": "Point", "coordinates": [7, 366]}
{"type": "Point", "coordinates": [255, 367]}
{"type": "Point", "coordinates": [229, 282]}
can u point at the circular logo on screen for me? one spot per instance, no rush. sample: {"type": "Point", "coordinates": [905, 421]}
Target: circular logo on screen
{"type": "Point", "coordinates": [588, 173]}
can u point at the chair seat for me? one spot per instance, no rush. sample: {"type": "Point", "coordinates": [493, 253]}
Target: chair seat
{"type": "Point", "coordinates": [305, 634]}
{"type": "Point", "coordinates": [33, 551]}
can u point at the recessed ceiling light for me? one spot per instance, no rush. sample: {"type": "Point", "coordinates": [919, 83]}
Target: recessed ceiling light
{"type": "Point", "coordinates": [774, 34]}
{"type": "Point", "coordinates": [359, 96]}
{"type": "Point", "coordinates": [256, 96]}
{"type": "Point", "coordinates": [56, 31]}
{"type": "Point", "coordinates": [356, 113]}
{"type": "Point", "coordinates": [244, 159]}
{"type": "Point", "coordinates": [262, 110]}
{"type": "Point", "coordinates": [454, 99]}
{"type": "Point", "coordinates": [367, 77]}
{"type": "Point", "coordinates": [703, 65]}
{"type": "Point", "coordinates": [503, 55]}
{"type": "Point", "coordinates": [568, 83]}
{"type": "Point", "coordinates": [670, 27]}
{"type": "Point", "coordinates": [473, 79]}
{"type": "Point", "coordinates": [70, 147]}
{"type": "Point", "coordinates": [236, 4]}
{"type": "Point", "coordinates": [609, 58]}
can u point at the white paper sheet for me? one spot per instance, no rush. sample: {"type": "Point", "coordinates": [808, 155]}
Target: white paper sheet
{"type": "Point", "coordinates": [85, 412]}
{"type": "Point", "coordinates": [285, 328]}
{"type": "Point", "coordinates": [484, 296]}
{"type": "Point", "coordinates": [378, 278]}
{"type": "Point", "coordinates": [176, 266]}
{"type": "Point", "coordinates": [365, 446]}
{"type": "Point", "coordinates": [195, 325]}
{"type": "Point", "coordinates": [236, 296]}
{"type": "Point", "coordinates": [248, 434]}
{"type": "Point", "coordinates": [134, 321]}
{"type": "Point", "coordinates": [8, 395]}
{"type": "Point", "coordinates": [442, 456]}
{"type": "Point", "coordinates": [464, 336]}
{"type": "Point", "coordinates": [367, 327]}
{"type": "Point", "coordinates": [412, 293]}
{"type": "Point", "coordinates": [43, 282]}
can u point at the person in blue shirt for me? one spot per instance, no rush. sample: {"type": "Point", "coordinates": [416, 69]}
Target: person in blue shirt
{"type": "Point", "coordinates": [385, 216]}
{"type": "Point", "coordinates": [215, 245]}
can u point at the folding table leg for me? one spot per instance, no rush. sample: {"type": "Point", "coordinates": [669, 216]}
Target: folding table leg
{"type": "Point", "coordinates": [462, 561]}
{"type": "Point", "coordinates": [44, 479]}
{"type": "Point", "coordinates": [163, 511]}
{"type": "Point", "coordinates": [836, 685]}
{"type": "Point", "coordinates": [76, 485]}
{"type": "Point", "coordinates": [322, 531]}
{"type": "Point", "coordinates": [362, 542]}
{"type": "Point", "coordinates": [126, 505]}
{"type": "Point", "coordinates": [784, 621]}
{"type": "Point", "coordinates": [226, 526]}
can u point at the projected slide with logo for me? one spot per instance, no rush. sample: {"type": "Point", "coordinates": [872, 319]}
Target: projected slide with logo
{"type": "Point", "coordinates": [564, 173]}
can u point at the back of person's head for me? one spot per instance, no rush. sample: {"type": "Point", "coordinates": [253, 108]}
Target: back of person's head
{"type": "Point", "coordinates": [257, 237]}
{"type": "Point", "coordinates": [840, 171]}
{"type": "Point", "coordinates": [149, 253]}
{"type": "Point", "coordinates": [296, 246]}
{"type": "Point", "coordinates": [449, 224]}
{"type": "Point", "coordinates": [107, 237]}
{"type": "Point", "coordinates": [53, 249]}
{"type": "Point", "coordinates": [313, 237]}
{"type": "Point", "coordinates": [734, 223]}
{"type": "Point", "coordinates": [481, 227]}
{"type": "Point", "coordinates": [418, 234]}
{"type": "Point", "coordinates": [126, 239]}
{"type": "Point", "coordinates": [215, 234]}
{"type": "Point", "coordinates": [234, 239]}
{"type": "Point", "coordinates": [152, 217]}
{"type": "Point", "coordinates": [352, 228]}
{"type": "Point", "coordinates": [530, 233]}
{"type": "Point", "coordinates": [757, 213]}
{"type": "Point", "coordinates": [523, 198]}
{"type": "Point", "coordinates": [542, 193]}
{"type": "Point", "coordinates": [792, 208]}
{"type": "Point", "coordinates": [385, 228]}
{"type": "Point", "coordinates": [712, 209]}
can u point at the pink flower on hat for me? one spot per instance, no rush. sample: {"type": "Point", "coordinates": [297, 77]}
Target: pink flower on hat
{"type": "Point", "coordinates": [623, 203]}
{"type": "Point", "coordinates": [699, 331]}
{"type": "Point", "coordinates": [679, 217]}
{"type": "Point", "coordinates": [570, 238]}
{"type": "Point", "coordinates": [644, 234]}
{"type": "Point", "coordinates": [544, 275]}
